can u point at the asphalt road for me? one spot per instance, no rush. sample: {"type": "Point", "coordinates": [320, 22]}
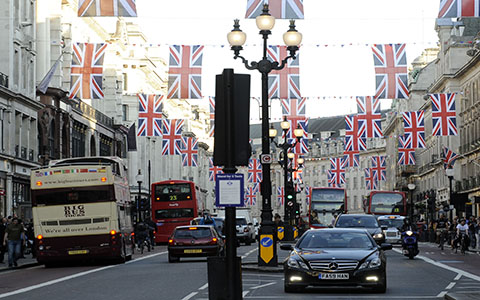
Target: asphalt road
{"type": "Point", "coordinates": [151, 277]}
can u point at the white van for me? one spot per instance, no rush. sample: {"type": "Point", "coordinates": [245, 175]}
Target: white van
{"type": "Point", "coordinates": [244, 225]}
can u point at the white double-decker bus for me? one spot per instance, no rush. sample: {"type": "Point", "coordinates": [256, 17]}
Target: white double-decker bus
{"type": "Point", "coordinates": [82, 210]}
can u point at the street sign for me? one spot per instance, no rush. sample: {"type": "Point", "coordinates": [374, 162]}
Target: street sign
{"type": "Point", "coordinates": [266, 247]}
{"type": "Point", "coordinates": [280, 232]}
{"type": "Point", "coordinates": [266, 158]}
{"type": "Point", "coordinates": [229, 189]}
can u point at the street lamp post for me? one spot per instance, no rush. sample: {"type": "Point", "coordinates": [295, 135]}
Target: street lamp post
{"type": "Point", "coordinates": [139, 179]}
{"type": "Point", "coordinates": [411, 187]}
{"type": "Point", "coordinates": [292, 39]}
{"type": "Point", "coordinates": [450, 172]}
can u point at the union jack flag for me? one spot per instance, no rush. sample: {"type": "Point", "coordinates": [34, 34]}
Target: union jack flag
{"type": "Point", "coordinates": [406, 154]}
{"type": "Point", "coordinates": [370, 179]}
{"type": "Point", "coordinates": [337, 171]}
{"type": "Point", "coordinates": [331, 182]}
{"type": "Point", "coordinates": [308, 194]}
{"type": "Point", "coordinates": [189, 151]}
{"type": "Point", "coordinates": [415, 127]}
{"type": "Point", "coordinates": [281, 195]}
{"type": "Point", "coordinates": [449, 158]}
{"type": "Point", "coordinates": [302, 146]}
{"type": "Point", "coordinates": [354, 131]}
{"type": "Point", "coordinates": [254, 171]}
{"type": "Point", "coordinates": [107, 8]}
{"type": "Point", "coordinates": [87, 71]}
{"type": "Point", "coordinates": [150, 115]}
{"type": "Point", "coordinates": [459, 8]}
{"type": "Point", "coordinates": [213, 170]}
{"type": "Point", "coordinates": [351, 158]}
{"type": "Point", "coordinates": [280, 9]}
{"type": "Point", "coordinates": [444, 114]}
{"type": "Point", "coordinates": [390, 71]}
{"type": "Point", "coordinates": [294, 108]}
{"type": "Point", "coordinates": [185, 72]}
{"type": "Point", "coordinates": [211, 101]}
{"type": "Point", "coordinates": [369, 114]}
{"type": "Point", "coordinates": [172, 136]}
{"type": "Point", "coordinates": [379, 168]}
{"type": "Point", "coordinates": [284, 83]}
{"type": "Point", "coordinates": [251, 195]}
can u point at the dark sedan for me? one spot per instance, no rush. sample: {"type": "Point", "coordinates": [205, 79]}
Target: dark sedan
{"type": "Point", "coordinates": [336, 257]}
{"type": "Point", "coordinates": [367, 222]}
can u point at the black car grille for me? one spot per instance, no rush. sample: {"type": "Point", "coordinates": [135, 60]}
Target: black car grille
{"type": "Point", "coordinates": [329, 265]}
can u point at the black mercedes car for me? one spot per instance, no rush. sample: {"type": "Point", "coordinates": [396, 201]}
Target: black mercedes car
{"type": "Point", "coordinates": [335, 257]}
{"type": "Point", "coordinates": [368, 222]}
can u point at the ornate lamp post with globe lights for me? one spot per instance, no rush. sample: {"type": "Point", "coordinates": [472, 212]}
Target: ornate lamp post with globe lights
{"type": "Point", "coordinates": [292, 39]}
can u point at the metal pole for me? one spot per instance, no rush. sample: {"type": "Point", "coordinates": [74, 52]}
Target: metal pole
{"type": "Point", "coordinates": [450, 179]}
{"type": "Point", "coordinates": [285, 177]}
{"type": "Point", "coordinates": [138, 201]}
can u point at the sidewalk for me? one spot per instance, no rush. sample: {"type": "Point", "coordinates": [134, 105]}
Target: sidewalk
{"type": "Point", "coordinates": [26, 262]}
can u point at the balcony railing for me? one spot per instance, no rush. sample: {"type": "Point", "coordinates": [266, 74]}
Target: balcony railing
{"type": "Point", "coordinates": [23, 153]}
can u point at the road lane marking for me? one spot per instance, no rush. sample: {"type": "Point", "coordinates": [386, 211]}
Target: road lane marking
{"type": "Point", "coordinates": [263, 285]}
{"type": "Point", "coordinates": [203, 287]}
{"type": "Point", "coordinates": [457, 277]}
{"type": "Point", "coordinates": [189, 296]}
{"type": "Point", "coordinates": [450, 285]}
{"type": "Point", "coordinates": [245, 293]}
{"type": "Point", "coordinates": [44, 284]}
{"type": "Point", "coordinates": [249, 252]}
{"type": "Point", "coordinates": [442, 294]}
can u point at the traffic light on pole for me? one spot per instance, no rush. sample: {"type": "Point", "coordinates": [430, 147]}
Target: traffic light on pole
{"type": "Point", "coordinates": [290, 196]}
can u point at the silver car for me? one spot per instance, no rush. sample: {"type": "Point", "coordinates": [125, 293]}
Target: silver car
{"type": "Point", "coordinates": [391, 225]}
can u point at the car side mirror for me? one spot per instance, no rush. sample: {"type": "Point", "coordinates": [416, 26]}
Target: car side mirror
{"type": "Point", "coordinates": [384, 227]}
{"type": "Point", "coordinates": [386, 246]}
{"type": "Point", "coordinates": [288, 247]}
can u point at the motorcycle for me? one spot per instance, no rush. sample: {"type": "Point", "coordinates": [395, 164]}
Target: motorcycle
{"type": "Point", "coordinates": [409, 244]}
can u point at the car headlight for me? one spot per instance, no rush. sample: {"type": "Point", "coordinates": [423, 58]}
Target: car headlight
{"type": "Point", "coordinates": [373, 263]}
{"type": "Point", "coordinates": [378, 236]}
{"type": "Point", "coordinates": [409, 233]}
{"type": "Point", "coordinates": [292, 262]}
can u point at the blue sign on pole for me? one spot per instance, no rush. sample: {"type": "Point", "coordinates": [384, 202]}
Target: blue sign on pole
{"type": "Point", "coordinates": [229, 190]}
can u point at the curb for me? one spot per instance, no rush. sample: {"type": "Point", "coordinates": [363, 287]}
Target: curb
{"type": "Point", "coordinates": [262, 269]}
{"type": "Point", "coordinates": [22, 266]}
{"type": "Point", "coordinates": [455, 296]}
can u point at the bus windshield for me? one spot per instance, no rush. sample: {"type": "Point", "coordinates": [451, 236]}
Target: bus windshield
{"type": "Point", "coordinates": [387, 203]}
{"type": "Point", "coordinates": [173, 192]}
{"type": "Point", "coordinates": [326, 204]}
{"type": "Point", "coordinates": [328, 195]}
{"type": "Point", "coordinates": [174, 213]}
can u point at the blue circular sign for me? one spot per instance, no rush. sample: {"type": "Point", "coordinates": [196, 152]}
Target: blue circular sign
{"type": "Point", "coordinates": [266, 242]}
{"type": "Point", "coordinates": [281, 229]}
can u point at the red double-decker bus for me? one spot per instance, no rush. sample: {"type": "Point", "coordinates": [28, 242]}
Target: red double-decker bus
{"type": "Point", "coordinates": [326, 203]}
{"type": "Point", "coordinates": [174, 203]}
{"type": "Point", "coordinates": [386, 203]}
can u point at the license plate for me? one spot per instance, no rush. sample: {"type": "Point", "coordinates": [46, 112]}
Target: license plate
{"type": "Point", "coordinates": [341, 276]}
{"type": "Point", "coordinates": [76, 252]}
{"type": "Point", "coordinates": [192, 251]}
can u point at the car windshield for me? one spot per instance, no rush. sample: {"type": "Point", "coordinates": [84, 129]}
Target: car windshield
{"type": "Point", "coordinates": [241, 221]}
{"type": "Point", "coordinates": [324, 239]}
{"type": "Point", "coordinates": [391, 223]}
{"type": "Point", "coordinates": [356, 221]}
{"type": "Point", "coordinates": [199, 232]}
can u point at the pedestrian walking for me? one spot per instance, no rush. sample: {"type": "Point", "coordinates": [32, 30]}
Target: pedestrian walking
{"type": "Point", "coordinates": [13, 235]}
{"type": "Point", "coordinates": [3, 249]}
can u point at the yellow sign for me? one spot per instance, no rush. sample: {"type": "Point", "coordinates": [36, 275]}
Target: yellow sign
{"type": "Point", "coordinates": [295, 232]}
{"type": "Point", "coordinates": [266, 247]}
{"type": "Point", "coordinates": [280, 232]}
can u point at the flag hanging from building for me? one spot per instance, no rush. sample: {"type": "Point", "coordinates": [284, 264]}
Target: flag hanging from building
{"type": "Point", "coordinates": [172, 136]}
{"type": "Point", "coordinates": [308, 194]}
{"type": "Point", "coordinates": [459, 8]}
{"type": "Point", "coordinates": [87, 71]}
{"type": "Point", "coordinates": [281, 195]}
{"type": "Point", "coordinates": [43, 85]}
{"type": "Point", "coordinates": [294, 107]}
{"type": "Point", "coordinates": [132, 138]}
{"type": "Point", "coordinates": [185, 72]}
{"type": "Point", "coordinates": [337, 171]}
{"type": "Point", "coordinates": [213, 170]}
{"type": "Point", "coordinates": [284, 83]}
{"type": "Point", "coordinates": [294, 111]}
{"type": "Point", "coordinates": [370, 180]}
{"type": "Point", "coordinates": [406, 154]}
{"type": "Point", "coordinates": [414, 126]}
{"type": "Point", "coordinates": [391, 75]}
{"type": "Point", "coordinates": [189, 151]}
{"type": "Point", "coordinates": [379, 168]}
{"type": "Point", "coordinates": [280, 9]}
{"type": "Point", "coordinates": [369, 116]}
{"type": "Point", "coordinates": [351, 158]}
{"type": "Point", "coordinates": [254, 170]}
{"type": "Point", "coordinates": [107, 8]}
{"type": "Point", "coordinates": [354, 132]}
{"type": "Point", "coordinates": [150, 115]}
{"type": "Point", "coordinates": [251, 195]}
{"type": "Point", "coordinates": [444, 115]}
{"type": "Point", "coordinates": [211, 101]}
{"type": "Point", "coordinates": [449, 158]}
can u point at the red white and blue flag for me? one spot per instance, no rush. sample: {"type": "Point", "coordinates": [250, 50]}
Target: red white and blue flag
{"type": "Point", "coordinates": [294, 107]}
{"type": "Point", "coordinates": [406, 154]}
{"type": "Point", "coordinates": [189, 151]}
{"type": "Point", "coordinates": [254, 171]}
{"type": "Point", "coordinates": [379, 168]}
{"type": "Point", "coordinates": [281, 195]}
{"type": "Point", "coordinates": [284, 83]}
{"type": "Point", "coordinates": [449, 158]}
{"type": "Point", "coordinates": [459, 8]}
{"type": "Point", "coordinates": [280, 9]}
{"type": "Point", "coordinates": [150, 115]}
{"type": "Point", "coordinates": [414, 126]}
{"type": "Point", "coordinates": [185, 72]}
{"type": "Point", "coordinates": [294, 111]}
{"type": "Point", "coordinates": [213, 170]}
{"type": "Point", "coordinates": [369, 116]}
{"type": "Point", "coordinates": [107, 8]}
{"type": "Point", "coordinates": [87, 71]}
{"type": "Point", "coordinates": [351, 158]}
{"type": "Point", "coordinates": [391, 75]}
{"type": "Point", "coordinates": [308, 194]}
{"type": "Point", "coordinates": [172, 136]}
{"type": "Point", "coordinates": [354, 132]}
{"type": "Point", "coordinates": [444, 116]}
{"type": "Point", "coordinates": [331, 182]}
{"type": "Point", "coordinates": [211, 101]}
{"type": "Point", "coordinates": [370, 179]}
{"type": "Point", "coordinates": [251, 195]}
{"type": "Point", "coordinates": [337, 171]}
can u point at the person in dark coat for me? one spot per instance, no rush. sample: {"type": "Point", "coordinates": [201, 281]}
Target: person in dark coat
{"type": "Point", "coordinates": [3, 249]}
